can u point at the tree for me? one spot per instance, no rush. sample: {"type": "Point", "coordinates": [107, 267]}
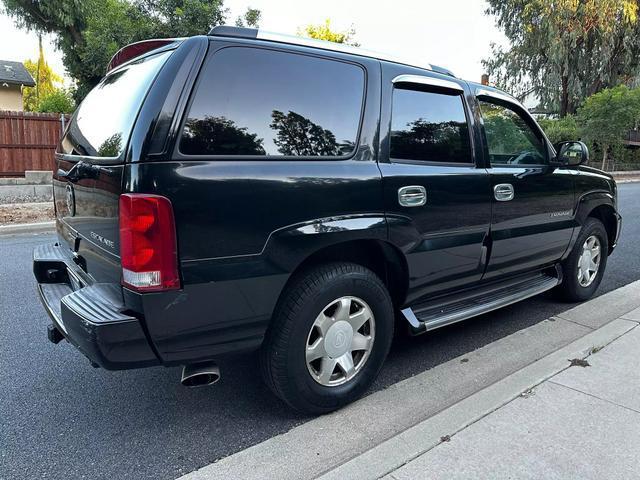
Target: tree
{"type": "Point", "coordinates": [47, 81]}
{"type": "Point", "coordinates": [423, 138]}
{"type": "Point", "coordinates": [299, 136]}
{"type": "Point", "coordinates": [65, 18]}
{"type": "Point", "coordinates": [178, 18]}
{"type": "Point", "coordinates": [90, 32]}
{"type": "Point", "coordinates": [251, 18]}
{"type": "Point", "coordinates": [324, 32]}
{"type": "Point", "coordinates": [115, 25]}
{"type": "Point", "coordinates": [607, 116]}
{"type": "Point", "coordinates": [219, 136]}
{"type": "Point", "coordinates": [563, 51]}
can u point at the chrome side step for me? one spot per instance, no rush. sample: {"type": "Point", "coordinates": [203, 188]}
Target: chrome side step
{"type": "Point", "coordinates": [455, 308]}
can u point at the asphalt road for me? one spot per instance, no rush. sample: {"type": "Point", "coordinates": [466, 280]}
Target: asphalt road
{"type": "Point", "coordinates": [61, 418]}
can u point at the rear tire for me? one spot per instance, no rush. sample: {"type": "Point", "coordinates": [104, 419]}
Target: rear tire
{"type": "Point", "coordinates": [340, 312]}
{"type": "Point", "coordinates": [583, 269]}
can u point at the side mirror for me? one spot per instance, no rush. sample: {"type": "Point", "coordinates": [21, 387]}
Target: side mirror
{"type": "Point", "coordinates": [571, 154]}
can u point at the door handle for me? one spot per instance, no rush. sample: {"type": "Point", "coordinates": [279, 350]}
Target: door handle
{"type": "Point", "coordinates": [412, 196]}
{"type": "Point", "coordinates": [503, 192]}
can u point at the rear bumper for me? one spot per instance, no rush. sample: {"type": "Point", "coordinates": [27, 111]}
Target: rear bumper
{"type": "Point", "coordinates": [91, 317]}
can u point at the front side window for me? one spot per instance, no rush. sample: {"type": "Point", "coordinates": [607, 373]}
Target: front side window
{"type": "Point", "coordinates": [510, 139]}
{"type": "Point", "coordinates": [429, 126]}
{"type": "Point", "coordinates": [252, 101]}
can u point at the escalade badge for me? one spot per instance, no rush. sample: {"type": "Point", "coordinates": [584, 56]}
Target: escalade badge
{"type": "Point", "coordinates": [103, 240]}
{"type": "Point", "coordinates": [71, 201]}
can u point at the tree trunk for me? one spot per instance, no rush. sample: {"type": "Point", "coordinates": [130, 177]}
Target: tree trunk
{"type": "Point", "coordinates": [564, 97]}
{"type": "Point", "coordinates": [76, 35]}
{"type": "Point", "coordinates": [605, 156]}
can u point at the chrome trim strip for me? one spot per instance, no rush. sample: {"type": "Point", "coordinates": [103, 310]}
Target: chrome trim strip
{"type": "Point", "coordinates": [432, 81]}
{"type": "Point", "coordinates": [338, 47]}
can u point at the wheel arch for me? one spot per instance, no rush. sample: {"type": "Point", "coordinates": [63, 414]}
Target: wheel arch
{"type": "Point", "coordinates": [606, 214]}
{"type": "Point", "coordinates": [600, 205]}
{"type": "Point", "coordinates": [380, 256]}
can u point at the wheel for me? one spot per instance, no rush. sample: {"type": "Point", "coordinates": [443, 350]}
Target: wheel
{"type": "Point", "coordinates": [329, 337]}
{"type": "Point", "coordinates": [584, 267]}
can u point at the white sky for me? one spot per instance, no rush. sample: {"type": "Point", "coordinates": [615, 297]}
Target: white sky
{"type": "Point", "coordinates": [455, 34]}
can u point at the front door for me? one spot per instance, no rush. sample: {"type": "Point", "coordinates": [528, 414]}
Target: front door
{"type": "Point", "coordinates": [532, 220]}
{"type": "Point", "coordinates": [437, 201]}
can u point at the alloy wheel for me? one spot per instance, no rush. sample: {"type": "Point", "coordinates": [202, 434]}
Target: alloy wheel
{"type": "Point", "coordinates": [589, 261]}
{"type": "Point", "coordinates": [340, 341]}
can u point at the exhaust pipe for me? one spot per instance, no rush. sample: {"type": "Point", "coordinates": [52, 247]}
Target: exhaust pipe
{"type": "Point", "coordinates": [200, 374]}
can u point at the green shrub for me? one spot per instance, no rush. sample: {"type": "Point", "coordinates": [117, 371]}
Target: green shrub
{"type": "Point", "coordinates": [560, 129]}
{"type": "Point", "coordinates": [58, 101]}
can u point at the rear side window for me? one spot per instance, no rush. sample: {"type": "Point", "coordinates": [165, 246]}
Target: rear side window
{"type": "Point", "coordinates": [103, 121]}
{"type": "Point", "coordinates": [251, 101]}
{"type": "Point", "coordinates": [429, 126]}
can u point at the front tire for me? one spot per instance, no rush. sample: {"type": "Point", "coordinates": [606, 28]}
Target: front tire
{"type": "Point", "coordinates": [584, 267]}
{"type": "Point", "coordinates": [329, 337]}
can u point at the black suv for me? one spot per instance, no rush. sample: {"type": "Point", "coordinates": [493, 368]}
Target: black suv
{"type": "Point", "coordinates": [244, 190]}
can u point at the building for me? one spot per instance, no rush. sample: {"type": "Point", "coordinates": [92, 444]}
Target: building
{"type": "Point", "coordinates": [13, 76]}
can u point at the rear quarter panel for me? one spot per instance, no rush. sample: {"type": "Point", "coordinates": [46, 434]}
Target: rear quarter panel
{"type": "Point", "coordinates": [244, 225]}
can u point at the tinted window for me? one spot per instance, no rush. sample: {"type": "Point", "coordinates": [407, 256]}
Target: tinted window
{"type": "Point", "coordinates": [103, 121]}
{"type": "Point", "coordinates": [261, 102]}
{"type": "Point", "coordinates": [429, 126]}
{"type": "Point", "coordinates": [510, 139]}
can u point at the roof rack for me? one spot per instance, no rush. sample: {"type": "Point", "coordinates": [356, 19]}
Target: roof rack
{"type": "Point", "coordinates": [254, 33]}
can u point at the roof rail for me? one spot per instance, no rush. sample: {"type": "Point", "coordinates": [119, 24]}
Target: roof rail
{"type": "Point", "coordinates": [254, 33]}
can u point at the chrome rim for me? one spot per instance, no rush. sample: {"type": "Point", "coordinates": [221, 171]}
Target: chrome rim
{"type": "Point", "coordinates": [340, 341]}
{"type": "Point", "coordinates": [589, 261]}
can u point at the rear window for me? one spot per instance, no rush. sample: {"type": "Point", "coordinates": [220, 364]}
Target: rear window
{"type": "Point", "coordinates": [258, 102]}
{"type": "Point", "coordinates": [103, 121]}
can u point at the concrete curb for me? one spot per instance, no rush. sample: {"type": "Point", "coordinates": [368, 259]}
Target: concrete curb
{"type": "Point", "coordinates": [41, 227]}
{"type": "Point", "coordinates": [396, 424]}
{"type": "Point", "coordinates": [401, 449]}
{"type": "Point", "coordinates": [630, 176]}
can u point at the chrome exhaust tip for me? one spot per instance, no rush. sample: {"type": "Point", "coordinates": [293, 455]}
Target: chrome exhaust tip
{"type": "Point", "coordinates": [200, 374]}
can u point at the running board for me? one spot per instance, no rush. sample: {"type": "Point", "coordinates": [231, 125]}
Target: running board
{"type": "Point", "coordinates": [457, 307]}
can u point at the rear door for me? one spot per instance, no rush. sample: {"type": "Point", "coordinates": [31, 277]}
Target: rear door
{"type": "Point", "coordinates": [533, 203]}
{"type": "Point", "coordinates": [438, 202]}
{"type": "Point", "coordinates": [90, 162]}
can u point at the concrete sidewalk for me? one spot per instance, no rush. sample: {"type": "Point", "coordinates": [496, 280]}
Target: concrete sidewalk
{"type": "Point", "coordinates": [581, 423]}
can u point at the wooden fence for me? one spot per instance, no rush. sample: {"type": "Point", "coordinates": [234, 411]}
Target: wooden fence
{"type": "Point", "coordinates": [28, 141]}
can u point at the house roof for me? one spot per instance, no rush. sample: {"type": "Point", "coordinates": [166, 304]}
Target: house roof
{"type": "Point", "coordinates": [15, 73]}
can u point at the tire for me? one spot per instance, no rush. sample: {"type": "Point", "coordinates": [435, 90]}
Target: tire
{"type": "Point", "coordinates": [572, 288]}
{"type": "Point", "coordinates": [298, 325]}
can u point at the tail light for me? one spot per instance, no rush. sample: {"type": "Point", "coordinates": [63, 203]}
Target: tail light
{"type": "Point", "coordinates": [148, 243]}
